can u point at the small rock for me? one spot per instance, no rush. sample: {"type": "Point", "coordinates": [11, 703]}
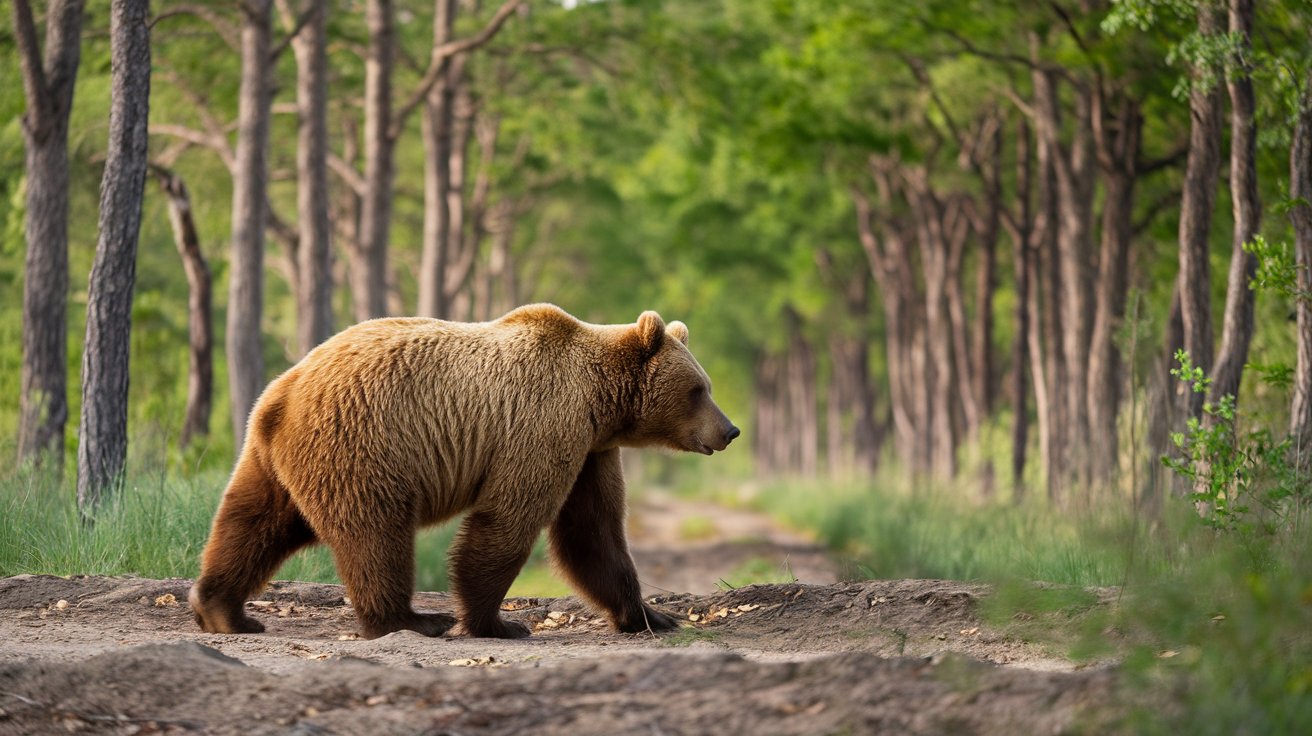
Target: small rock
{"type": "Point", "coordinates": [62, 605]}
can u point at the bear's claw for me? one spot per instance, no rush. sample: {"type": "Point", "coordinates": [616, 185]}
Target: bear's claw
{"type": "Point", "coordinates": [652, 620]}
{"type": "Point", "coordinates": [500, 629]}
{"type": "Point", "coordinates": [428, 624]}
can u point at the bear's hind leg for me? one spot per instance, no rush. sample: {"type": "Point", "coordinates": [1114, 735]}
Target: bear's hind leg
{"type": "Point", "coordinates": [487, 554]}
{"type": "Point", "coordinates": [589, 547]}
{"type": "Point", "coordinates": [257, 527]}
{"type": "Point", "coordinates": [377, 564]}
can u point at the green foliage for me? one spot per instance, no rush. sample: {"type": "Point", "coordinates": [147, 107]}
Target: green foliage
{"type": "Point", "coordinates": [1229, 469]}
{"type": "Point", "coordinates": [1277, 272]}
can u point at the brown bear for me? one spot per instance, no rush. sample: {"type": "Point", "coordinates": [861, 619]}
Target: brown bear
{"type": "Point", "coordinates": [395, 424]}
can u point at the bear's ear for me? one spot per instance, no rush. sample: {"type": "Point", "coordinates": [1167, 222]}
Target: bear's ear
{"type": "Point", "coordinates": [678, 331]}
{"type": "Point", "coordinates": [651, 331]}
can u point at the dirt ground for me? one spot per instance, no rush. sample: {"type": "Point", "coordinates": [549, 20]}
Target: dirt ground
{"type": "Point", "coordinates": [123, 655]}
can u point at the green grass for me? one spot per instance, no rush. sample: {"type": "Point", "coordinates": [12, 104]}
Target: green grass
{"type": "Point", "coordinates": [156, 527]}
{"type": "Point", "coordinates": [757, 570]}
{"type": "Point", "coordinates": [931, 533]}
{"type": "Point", "coordinates": [1214, 628]}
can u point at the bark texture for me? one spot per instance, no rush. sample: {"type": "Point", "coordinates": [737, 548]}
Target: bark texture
{"type": "Point", "coordinates": [200, 321]}
{"type": "Point", "coordinates": [1237, 324]}
{"type": "Point", "coordinates": [1196, 204]}
{"type": "Point", "coordinates": [1118, 154]}
{"type": "Point", "coordinates": [1300, 177]}
{"type": "Point", "coordinates": [48, 86]}
{"type": "Point", "coordinates": [249, 201]}
{"type": "Point", "coordinates": [369, 257]}
{"type": "Point", "coordinates": [314, 307]}
{"type": "Point", "coordinates": [103, 441]}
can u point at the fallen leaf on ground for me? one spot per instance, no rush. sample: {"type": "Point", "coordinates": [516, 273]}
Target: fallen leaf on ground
{"type": "Point", "coordinates": [475, 662]}
{"type": "Point", "coordinates": [168, 599]}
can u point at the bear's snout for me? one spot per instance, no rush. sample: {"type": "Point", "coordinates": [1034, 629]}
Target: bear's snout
{"type": "Point", "coordinates": [731, 435]}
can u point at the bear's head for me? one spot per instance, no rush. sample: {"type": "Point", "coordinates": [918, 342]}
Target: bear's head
{"type": "Point", "coordinates": [674, 406]}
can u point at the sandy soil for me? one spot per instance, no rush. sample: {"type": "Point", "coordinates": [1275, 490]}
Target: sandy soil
{"type": "Point", "coordinates": [123, 655]}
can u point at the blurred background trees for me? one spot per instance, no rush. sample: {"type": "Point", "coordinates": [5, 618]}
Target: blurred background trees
{"type": "Point", "coordinates": [962, 239]}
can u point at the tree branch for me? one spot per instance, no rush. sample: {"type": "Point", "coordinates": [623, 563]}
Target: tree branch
{"type": "Point", "coordinates": [301, 22]}
{"type": "Point", "coordinates": [221, 26]}
{"type": "Point", "coordinates": [347, 174]}
{"type": "Point", "coordinates": [34, 73]}
{"type": "Point", "coordinates": [216, 143]}
{"type": "Point", "coordinates": [441, 56]}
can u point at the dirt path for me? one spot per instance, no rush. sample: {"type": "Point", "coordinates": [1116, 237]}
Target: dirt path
{"type": "Point", "coordinates": [122, 655]}
{"type": "Point", "coordinates": [688, 546]}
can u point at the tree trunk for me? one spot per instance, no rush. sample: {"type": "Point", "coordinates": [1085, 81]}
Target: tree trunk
{"type": "Point", "coordinates": [986, 278]}
{"type": "Point", "coordinates": [1049, 364]}
{"type": "Point", "coordinates": [957, 232]}
{"type": "Point", "coordinates": [1237, 324]}
{"type": "Point", "coordinates": [1022, 255]}
{"type": "Point", "coordinates": [1165, 397]}
{"type": "Point", "coordinates": [804, 421]}
{"type": "Point", "coordinates": [1118, 153]}
{"type": "Point", "coordinates": [934, 250]}
{"type": "Point", "coordinates": [767, 426]}
{"type": "Point", "coordinates": [200, 325]}
{"type": "Point", "coordinates": [249, 196]}
{"type": "Point", "coordinates": [1197, 200]}
{"type": "Point", "coordinates": [463, 250]}
{"type": "Point", "coordinates": [438, 119]}
{"type": "Point", "coordinates": [369, 259]}
{"type": "Point", "coordinates": [1300, 190]}
{"type": "Point", "coordinates": [103, 440]}
{"type": "Point", "coordinates": [48, 87]}
{"type": "Point", "coordinates": [314, 306]}
{"type": "Point", "coordinates": [1074, 178]}
{"type": "Point", "coordinates": [890, 267]}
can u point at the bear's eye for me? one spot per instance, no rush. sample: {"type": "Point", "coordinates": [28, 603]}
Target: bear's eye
{"type": "Point", "coordinates": [696, 393]}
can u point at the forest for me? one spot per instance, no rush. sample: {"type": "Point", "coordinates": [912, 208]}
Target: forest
{"type": "Point", "coordinates": [995, 289]}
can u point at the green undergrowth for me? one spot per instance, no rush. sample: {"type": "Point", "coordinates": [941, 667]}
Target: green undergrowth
{"type": "Point", "coordinates": [1211, 628]}
{"type": "Point", "coordinates": [155, 527]}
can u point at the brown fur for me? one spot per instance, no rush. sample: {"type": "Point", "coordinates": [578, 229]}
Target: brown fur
{"type": "Point", "coordinates": [399, 423]}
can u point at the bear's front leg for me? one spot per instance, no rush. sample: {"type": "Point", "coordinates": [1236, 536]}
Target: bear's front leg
{"type": "Point", "coordinates": [589, 546]}
{"type": "Point", "coordinates": [487, 554]}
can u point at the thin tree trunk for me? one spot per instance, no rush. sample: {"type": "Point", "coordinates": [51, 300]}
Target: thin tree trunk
{"type": "Point", "coordinates": [986, 278]}
{"type": "Point", "coordinates": [889, 266]}
{"type": "Point", "coordinates": [1046, 348]}
{"type": "Point", "coordinates": [1237, 324]}
{"type": "Point", "coordinates": [768, 428]}
{"type": "Point", "coordinates": [438, 119]}
{"type": "Point", "coordinates": [249, 196]}
{"type": "Point", "coordinates": [103, 437]}
{"type": "Point", "coordinates": [1074, 178]}
{"type": "Point", "coordinates": [48, 86]}
{"type": "Point", "coordinates": [934, 251]}
{"type": "Point", "coordinates": [804, 408]}
{"type": "Point", "coordinates": [1300, 178]}
{"type": "Point", "coordinates": [957, 232]}
{"type": "Point", "coordinates": [314, 306]}
{"type": "Point", "coordinates": [463, 250]}
{"type": "Point", "coordinates": [1165, 397]}
{"type": "Point", "coordinates": [1022, 255]}
{"type": "Point", "coordinates": [200, 324]}
{"type": "Point", "coordinates": [1118, 153]}
{"type": "Point", "coordinates": [369, 259]}
{"type": "Point", "coordinates": [1196, 205]}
